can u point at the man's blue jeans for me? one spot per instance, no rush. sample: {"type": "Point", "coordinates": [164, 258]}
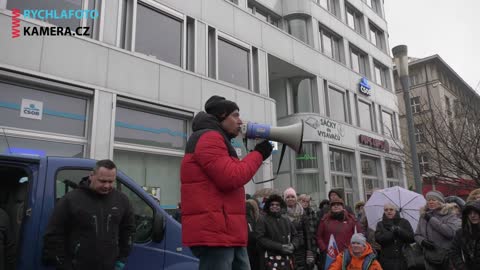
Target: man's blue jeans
{"type": "Point", "coordinates": [222, 258]}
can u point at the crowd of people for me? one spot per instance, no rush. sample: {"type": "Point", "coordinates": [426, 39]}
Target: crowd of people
{"type": "Point", "coordinates": [286, 232]}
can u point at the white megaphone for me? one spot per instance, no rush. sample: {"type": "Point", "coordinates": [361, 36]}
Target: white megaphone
{"type": "Point", "coordinates": [291, 135]}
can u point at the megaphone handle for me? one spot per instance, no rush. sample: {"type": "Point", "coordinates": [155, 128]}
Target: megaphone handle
{"type": "Point", "coordinates": [284, 147]}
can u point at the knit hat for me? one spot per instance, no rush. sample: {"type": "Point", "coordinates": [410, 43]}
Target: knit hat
{"type": "Point", "coordinates": [337, 191]}
{"type": "Point", "coordinates": [220, 107]}
{"type": "Point", "coordinates": [289, 191]}
{"type": "Point", "coordinates": [435, 194]}
{"type": "Point", "coordinates": [358, 238]}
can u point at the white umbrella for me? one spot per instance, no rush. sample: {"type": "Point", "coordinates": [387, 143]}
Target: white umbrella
{"type": "Point", "coordinates": [408, 204]}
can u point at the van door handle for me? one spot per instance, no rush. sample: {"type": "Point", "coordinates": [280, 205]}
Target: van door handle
{"type": "Point", "coordinates": [28, 212]}
{"type": "Point", "coordinates": [179, 249]}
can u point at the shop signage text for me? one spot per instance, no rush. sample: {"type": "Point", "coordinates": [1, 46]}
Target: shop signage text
{"type": "Point", "coordinates": [326, 128]}
{"type": "Point", "coordinates": [32, 109]}
{"type": "Point", "coordinates": [374, 143]}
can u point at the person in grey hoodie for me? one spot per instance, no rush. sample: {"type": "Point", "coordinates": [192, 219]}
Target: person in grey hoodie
{"type": "Point", "coordinates": [435, 231]}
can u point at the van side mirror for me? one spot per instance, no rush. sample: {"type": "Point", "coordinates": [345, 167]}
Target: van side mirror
{"type": "Point", "coordinates": [158, 229]}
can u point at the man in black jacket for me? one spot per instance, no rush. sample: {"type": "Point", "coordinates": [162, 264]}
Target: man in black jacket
{"type": "Point", "coordinates": [91, 227]}
{"type": "Point", "coordinates": [7, 244]}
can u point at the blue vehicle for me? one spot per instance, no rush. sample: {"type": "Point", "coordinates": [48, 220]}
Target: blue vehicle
{"type": "Point", "coordinates": [31, 185]}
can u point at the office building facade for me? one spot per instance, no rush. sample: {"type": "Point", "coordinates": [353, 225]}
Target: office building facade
{"type": "Point", "coordinates": [130, 88]}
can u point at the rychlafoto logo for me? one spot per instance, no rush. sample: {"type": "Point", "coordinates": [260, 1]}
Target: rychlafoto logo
{"type": "Point", "coordinates": [48, 15]}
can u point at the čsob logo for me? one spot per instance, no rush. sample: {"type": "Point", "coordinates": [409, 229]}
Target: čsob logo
{"type": "Point", "coordinates": [31, 109]}
{"type": "Point", "coordinates": [364, 87]}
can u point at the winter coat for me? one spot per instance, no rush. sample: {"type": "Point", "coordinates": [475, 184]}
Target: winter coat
{"type": "Point", "coordinates": [342, 230]}
{"type": "Point", "coordinates": [356, 263]}
{"type": "Point", "coordinates": [473, 194]}
{"type": "Point", "coordinates": [465, 250]}
{"type": "Point", "coordinates": [88, 230]}
{"type": "Point", "coordinates": [7, 243]}
{"type": "Point", "coordinates": [301, 225]}
{"type": "Point", "coordinates": [274, 230]}
{"type": "Point", "coordinates": [212, 193]}
{"type": "Point", "coordinates": [312, 228]}
{"type": "Point", "coordinates": [440, 229]}
{"type": "Point", "coordinates": [392, 242]}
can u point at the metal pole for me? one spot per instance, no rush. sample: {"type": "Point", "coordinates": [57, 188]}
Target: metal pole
{"type": "Point", "coordinates": [401, 60]}
{"type": "Point", "coordinates": [405, 81]}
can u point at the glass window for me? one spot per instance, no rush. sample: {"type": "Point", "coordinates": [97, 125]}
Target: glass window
{"type": "Point", "coordinates": [388, 128]}
{"type": "Point", "coordinates": [302, 96]}
{"type": "Point", "coordinates": [365, 115]}
{"type": "Point", "coordinates": [330, 44]}
{"type": "Point", "coordinates": [393, 169]}
{"type": "Point", "coordinates": [369, 166]}
{"type": "Point", "coordinates": [327, 45]}
{"type": "Point", "coordinates": [415, 103]}
{"type": "Point", "coordinates": [68, 180]}
{"type": "Point", "coordinates": [381, 75]}
{"type": "Point", "coordinates": [61, 113]}
{"type": "Point", "coordinates": [307, 183]}
{"type": "Point", "coordinates": [337, 105]}
{"type": "Point", "coordinates": [145, 128]}
{"type": "Point", "coordinates": [423, 160]}
{"type": "Point", "coordinates": [308, 157]}
{"type": "Point", "coordinates": [40, 147]}
{"type": "Point", "coordinates": [355, 62]}
{"type": "Point", "coordinates": [359, 61]}
{"type": "Point", "coordinates": [419, 133]}
{"type": "Point", "coordinates": [297, 27]}
{"type": "Point", "coordinates": [340, 161]}
{"type": "Point", "coordinates": [350, 19]}
{"type": "Point", "coordinates": [233, 64]}
{"type": "Point", "coordinates": [157, 174]}
{"type": "Point", "coordinates": [143, 214]}
{"type": "Point", "coordinates": [373, 37]}
{"type": "Point", "coordinates": [58, 5]}
{"type": "Point", "coordinates": [152, 28]}
{"type": "Point", "coordinates": [354, 19]}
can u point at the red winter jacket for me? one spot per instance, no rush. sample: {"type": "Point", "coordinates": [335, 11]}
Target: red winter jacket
{"type": "Point", "coordinates": [342, 230]}
{"type": "Point", "coordinates": [212, 193]}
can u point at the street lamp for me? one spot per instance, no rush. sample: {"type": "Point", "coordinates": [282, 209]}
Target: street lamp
{"type": "Point", "coordinates": [400, 53]}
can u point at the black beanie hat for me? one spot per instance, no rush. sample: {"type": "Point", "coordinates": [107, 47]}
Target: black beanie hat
{"type": "Point", "coordinates": [220, 107]}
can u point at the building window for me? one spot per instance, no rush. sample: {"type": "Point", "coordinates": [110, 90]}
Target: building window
{"type": "Point", "coordinates": [377, 37]}
{"type": "Point", "coordinates": [337, 105]}
{"type": "Point", "coordinates": [152, 27]}
{"type": "Point", "coordinates": [233, 63]}
{"type": "Point", "coordinates": [382, 75]}
{"type": "Point", "coordinates": [374, 5]}
{"type": "Point", "coordinates": [158, 174]}
{"type": "Point", "coordinates": [303, 96]}
{"type": "Point", "coordinates": [448, 106]}
{"type": "Point", "coordinates": [419, 133]}
{"type": "Point", "coordinates": [388, 125]}
{"type": "Point", "coordinates": [370, 177]}
{"type": "Point", "coordinates": [155, 129]}
{"type": "Point", "coordinates": [307, 170]}
{"type": "Point", "coordinates": [423, 160]}
{"type": "Point", "coordinates": [341, 173]}
{"type": "Point", "coordinates": [393, 173]}
{"type": "Point", "coordinates": [59, 5]}
{"type": "Point", "coordinates": [365, 115]}
{"type": "Point", "coordinates": [56, 123]}
{"type": "Point", "coordinates": [330, 44]}
{"type": "Point", "coordinates": [297, 27]}
{"type": "Point", "coordinates": [264, 14]}
{"type": "Point", "coordinates": [330, 5]}
{"type": "Point", "coordinates": [415, 103]}
{"type": "Point", "coordinates": [354, 19]}
{"type": "Point", "coordinates": [359, 61]}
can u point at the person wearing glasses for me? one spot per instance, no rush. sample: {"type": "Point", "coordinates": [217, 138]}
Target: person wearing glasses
{"type": "Point", "coordinates": [393, 233]}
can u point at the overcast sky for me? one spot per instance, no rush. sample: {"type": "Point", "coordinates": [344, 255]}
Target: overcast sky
{"type": "Point", "coordinates": [448, 28]}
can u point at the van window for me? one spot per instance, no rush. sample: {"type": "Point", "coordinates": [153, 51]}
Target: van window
{"type": "Point", "coordinates": [68, 180]}
{"type": "Point", "coordinates": [143, 214]}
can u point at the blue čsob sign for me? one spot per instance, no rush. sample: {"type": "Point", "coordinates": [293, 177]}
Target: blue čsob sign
{"type": "Point", "coordinates": [365, 88]}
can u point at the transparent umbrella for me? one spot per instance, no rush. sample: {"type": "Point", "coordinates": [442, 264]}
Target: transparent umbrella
{"type": "Point", "coordinates": [407, 202]}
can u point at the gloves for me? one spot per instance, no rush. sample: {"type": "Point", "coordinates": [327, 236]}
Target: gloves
{"type": "Point", "coordinates": [427, 244]}
{"type": "Point", "coordinates": [288, 249]}
{"type": "Point", "coordinates": [310, 257]}
{"type": "Point", "coordinates": [265, 148]}
{"type": "Point", "coordinates": [395, 229]}
{"type": "Point", "coordinates": [428, 216]}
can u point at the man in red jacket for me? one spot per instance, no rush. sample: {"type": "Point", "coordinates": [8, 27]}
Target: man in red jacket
{"type": "Point", "coordinates": [212, 194]}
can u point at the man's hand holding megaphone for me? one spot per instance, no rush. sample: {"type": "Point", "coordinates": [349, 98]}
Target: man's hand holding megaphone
{"type": "Point", "coordinates": [265, 148]}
